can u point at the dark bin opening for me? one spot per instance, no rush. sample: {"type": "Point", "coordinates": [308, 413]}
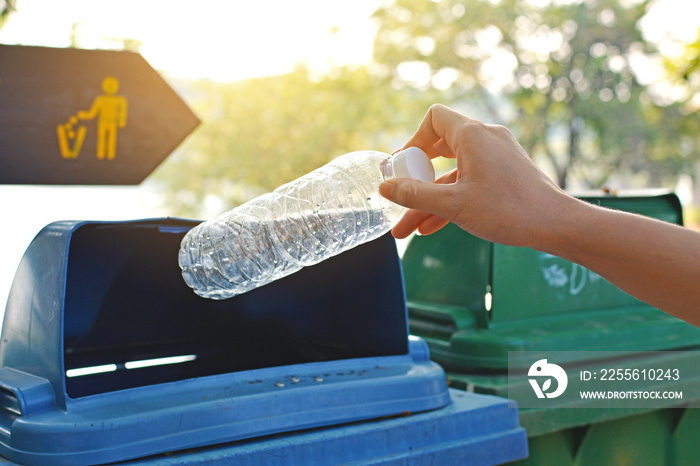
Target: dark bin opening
{"type": "Point", "coordinates": [130, 320]}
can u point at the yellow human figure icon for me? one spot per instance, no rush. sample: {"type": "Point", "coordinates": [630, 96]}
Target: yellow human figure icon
{"type": "Point", "coordinates": [109, 109]}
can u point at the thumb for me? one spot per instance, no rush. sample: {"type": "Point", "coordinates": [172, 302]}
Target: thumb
{"type": "Point", "coordinates": [414, 194]}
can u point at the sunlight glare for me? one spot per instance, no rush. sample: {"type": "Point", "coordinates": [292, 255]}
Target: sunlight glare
{"type": "Point", "coordinates": [223, 41]}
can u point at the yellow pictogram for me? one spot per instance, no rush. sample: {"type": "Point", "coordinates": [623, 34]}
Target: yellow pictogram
{"type": "Point", "coordinates": [68, 135]}
{"type": "Point", "coordinates": [110, 111]}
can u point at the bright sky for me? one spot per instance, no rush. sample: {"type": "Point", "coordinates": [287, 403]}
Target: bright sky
{"type": "Point", "coordinates": [220, 39]}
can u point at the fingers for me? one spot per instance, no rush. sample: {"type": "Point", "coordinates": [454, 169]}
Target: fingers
{"type": "Point", "coordinates": [496, 191]}
{"type": "Point", "coordinates": [443, 150]}
{"type": "Point", "coordinates": [431, 224]}
{"type": "Point", "coordinates": [433, 134]}
{"type": "Point", "coordinates": [431, 205]}
{"type": "Point", "coordinates": [447, 178]}
{"type": "Point", "coordinates": [415, 220]}
{"type": "Point", "coordinates": [428, 197]}
{"type": "Point", "coordinates": [425, 222]}
{"type": "Point", "coordinates": [410, 222]}
{"type": "Point", "coordinates": [426, 136]}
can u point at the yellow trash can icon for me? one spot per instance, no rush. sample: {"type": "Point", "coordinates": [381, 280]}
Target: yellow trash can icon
{"type": "Point", "coordinates": [109, 109]}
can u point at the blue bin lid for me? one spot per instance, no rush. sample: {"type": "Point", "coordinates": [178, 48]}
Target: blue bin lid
{"type": "Point", "coordinates": [107, 355]}
{"type": "Point", "coordinates": [473, 430]}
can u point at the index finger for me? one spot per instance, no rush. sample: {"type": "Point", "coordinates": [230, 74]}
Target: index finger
{"type": "Point", "coordinates": [435, 132]}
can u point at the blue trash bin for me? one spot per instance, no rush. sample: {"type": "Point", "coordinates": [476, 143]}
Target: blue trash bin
{"type": "Point", "coordinates": [107, 356]}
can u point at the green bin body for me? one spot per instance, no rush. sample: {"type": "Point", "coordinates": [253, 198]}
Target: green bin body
{"type": "Point", "coordinates": [474, 302]}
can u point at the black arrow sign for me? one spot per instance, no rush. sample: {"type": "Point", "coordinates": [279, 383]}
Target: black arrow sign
{"type": "Point", "coordinates": [70, 116]}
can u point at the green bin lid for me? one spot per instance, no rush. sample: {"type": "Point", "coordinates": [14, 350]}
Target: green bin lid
{"type": "Point", "coordinates": [474, 301]}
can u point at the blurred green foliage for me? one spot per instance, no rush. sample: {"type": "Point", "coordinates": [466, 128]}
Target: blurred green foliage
{"type": "Point", "coordinates": [260, 133]}
{"type": "Point", "coordinates": [569, 78]}
{"type": "Point", "coordinates": [685, 71]}
{"type": "Point", "coordinates": [7, 7]}
{"type": "Point", "coordinates": [560, 74]}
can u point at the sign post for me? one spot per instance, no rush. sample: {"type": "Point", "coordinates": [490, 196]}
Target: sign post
{"type": "Point", "coordinates": [89, 117]}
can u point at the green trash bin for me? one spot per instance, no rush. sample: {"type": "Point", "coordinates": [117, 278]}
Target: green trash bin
{"type": "Point", "coordinates": [474, 302]}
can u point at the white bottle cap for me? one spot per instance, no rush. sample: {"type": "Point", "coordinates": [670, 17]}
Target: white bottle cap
{"type": "Point", "coordinates": [413, 163]}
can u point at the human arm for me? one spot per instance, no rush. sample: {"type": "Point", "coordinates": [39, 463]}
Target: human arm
{"type": "Point", "coordinates": [92, 113]}
{"type": "Point", "coordinates": [498, 194]}
{"type": "Point", "coordinates": [121, 111]}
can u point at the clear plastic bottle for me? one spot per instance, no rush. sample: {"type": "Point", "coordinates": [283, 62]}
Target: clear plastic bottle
{"type": "Point", "coordinates": [301, 223]}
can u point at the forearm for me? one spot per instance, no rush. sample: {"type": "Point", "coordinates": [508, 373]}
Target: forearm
{"type": "Point", "coordinates": [655, 261]}
{"type": "Point", "coordinates": [496, 193]}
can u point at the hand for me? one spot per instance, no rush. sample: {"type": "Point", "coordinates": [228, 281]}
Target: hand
{"type": "Point", "coordinates": [496, 192]}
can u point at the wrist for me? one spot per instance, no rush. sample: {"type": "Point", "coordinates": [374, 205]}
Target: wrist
{"type": "Point", "coordinates": [565, 229]}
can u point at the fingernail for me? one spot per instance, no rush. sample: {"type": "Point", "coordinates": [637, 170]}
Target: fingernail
{"type": "Point", "coordinates": [385, 189]}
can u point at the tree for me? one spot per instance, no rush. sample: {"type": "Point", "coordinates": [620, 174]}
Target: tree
{"type": "Point", "coordinates": [8, 7]}
{"type": "Point", "coordinates": [563, 75]}
{"type": "Point", "coordinates": [685, 71]}
{"type": "Point", "coordinates": [258, 134]}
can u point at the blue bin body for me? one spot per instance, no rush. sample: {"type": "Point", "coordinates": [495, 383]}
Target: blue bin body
{"type": "Point", "coordinates": [107, 356]}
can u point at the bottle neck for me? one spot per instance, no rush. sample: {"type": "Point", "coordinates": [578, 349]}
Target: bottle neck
{"type": "Point", "coordinates": [408, 163]}
{"type": "Point", "coordinates": [386, 166]}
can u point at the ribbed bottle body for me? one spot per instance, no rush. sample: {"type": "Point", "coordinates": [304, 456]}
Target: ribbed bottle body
{"type": "Point", "coordinates": [310, 219]}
